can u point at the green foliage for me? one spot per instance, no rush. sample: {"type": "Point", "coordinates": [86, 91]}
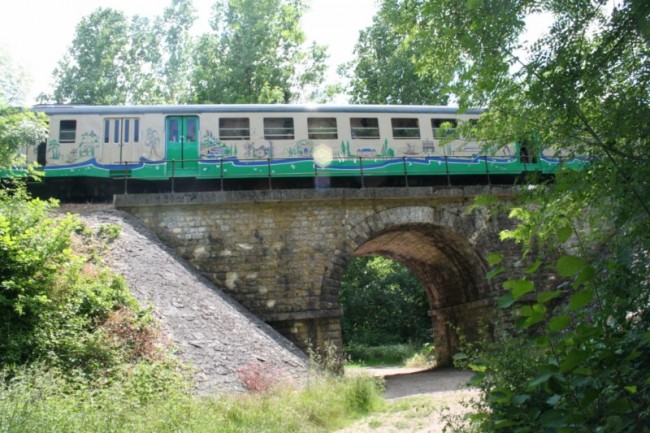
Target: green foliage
{"type": "Point", "coordinates": [13, 82]}
{"type": "Point", "coordinates": [95, 69]}
{"type": "Point", "coordinates": [579, 295]}
{"type": "Point", "coordinates": [43, 401]}
{"type": "Point", "coordinates": [585, 360]}
{"type": "Point", "coordinates": [383, 303]}
{"type": "Point", "coordinates": [59, 306]}
{"type": "Point", "coordinates": [383, 354]}
{"type": "Point", "coordinates": [384, 70]}
{"type": "Point", "coordinates": [256, 54]}
{"type": "Point", "coordinates": [19, 130]}
{"type": "Point", "coordinates": [117, 60]}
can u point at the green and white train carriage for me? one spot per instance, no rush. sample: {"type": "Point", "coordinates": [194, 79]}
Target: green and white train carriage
{"type": "Point", "coordinates": [278, 141]}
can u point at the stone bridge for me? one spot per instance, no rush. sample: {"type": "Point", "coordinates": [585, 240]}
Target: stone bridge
{"type": "Point", "coordinates": [282, 253]}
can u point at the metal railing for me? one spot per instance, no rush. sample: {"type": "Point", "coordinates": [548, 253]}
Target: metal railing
{"type": "Point", "coordinates": [358, 166]}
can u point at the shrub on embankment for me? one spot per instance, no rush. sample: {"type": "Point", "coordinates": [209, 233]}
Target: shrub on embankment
{"type": "Point", "coordinates": [60, 306]}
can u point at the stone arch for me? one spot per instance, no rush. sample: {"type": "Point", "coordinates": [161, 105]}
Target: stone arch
{"type": "Point", "coordinates": [449, 266]}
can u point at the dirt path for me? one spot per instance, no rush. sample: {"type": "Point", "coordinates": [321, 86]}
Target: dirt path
{"type": "Point", "coordinates": [419, 401]}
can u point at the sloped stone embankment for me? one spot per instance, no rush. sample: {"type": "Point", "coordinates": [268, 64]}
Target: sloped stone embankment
{"type": "Point", "coordinates": [211, 331]}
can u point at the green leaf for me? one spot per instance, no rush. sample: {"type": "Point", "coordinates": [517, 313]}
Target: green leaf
{"type": "Point", "coordinates": [519, 287]}
{"type": "Point", "coordinates": [494, 272]}
{"type": "Point", "coordinates": [520, 399]}
{"type": "Point", "coordinates": [478, 416]}
{"type": "Point", "coordinates": [533, 319]}
{"type": "Point", "coordinates": [552, 419]}
{"type": "Point", "coordinates": [574, 358]}
{"type": "Point", "coordinates": [544, 297]}
{"type": "Point", "coordinates": [494, 259]}
{"type": "Point", "coordinates": [506, 301]}
{"type": "Point", "coordinates": [633, 355]}
{"type": "Point", "coordinates": [559, 323]}
{"type": "Point", "coordinates": [498, 396]}
{"type": "Point", "coordinates": [569, 266]}
{"type": "Point", "coordinates": [554, 400]}
{"type": "Point", "coordinates": [631, 389]}
{"type": "Point", "coordinates": [534, 267]}
{"type": "Point", "coordinates": [459, 356]}
{"type": "Point", "coordinates": [502, 423]}
{"type": "Point", "coordinates": [580, 299]}
{"type": "Point", "coordinates": [539, 380]}
{"type": "Point", "coordinates": [586, 274]}
{"type": "Point", "coordinates": [477, 379]}
{"type": "Point", "coordinates": [564, 234]}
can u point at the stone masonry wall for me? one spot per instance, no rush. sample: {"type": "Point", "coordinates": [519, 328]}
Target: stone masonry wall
{"type": "Point", "coordinates": [281, 253]}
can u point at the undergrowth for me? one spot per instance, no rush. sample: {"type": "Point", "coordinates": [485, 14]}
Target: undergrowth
{"type": "Point", "coordinates": [409, 355]}
{"type": "Point", "coordinates": [44, 401]}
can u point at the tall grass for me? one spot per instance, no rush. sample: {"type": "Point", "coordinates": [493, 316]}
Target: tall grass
{"type": "Point", "coordinates": [46, 403]}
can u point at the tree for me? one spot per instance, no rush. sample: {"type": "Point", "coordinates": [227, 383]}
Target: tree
{"type": "Point", "coordinates": [173, 28]}
{"type": "Point", "coordinates": [582, 89]}
{"type": "Point", "coordinates": [385, 70]}
{"type": "Point", "coordinates": [383, 303]}
{"type": "Point", "coordinates": [255, 54]}
{"type": "Point", "coordinates": [13, 82]}
{"type": "Point", "coordinates": [19, 128]}
{"type": "Point", "coordinates": [117, 60]}
{"type": "Point", "coordinates": [95, 69]}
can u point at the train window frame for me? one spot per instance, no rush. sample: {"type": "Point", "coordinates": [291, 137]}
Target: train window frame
{"type": "Point", "coordinates": [436, 124]}
{"type": "Point", "coordinates": [364, 128]}
{"type": "Point", "coordinates": [405, 128]}
{"type": "Point", "coordinates": [279, 128]}
{"type": "Point", "coordinates": [121, 130]}
{"type": "Point", "coordinates": [237, 132]}
{"type": "Point", "coordinates": [322, 128]}
{"type": "Point", "coordinates": [68, 133]}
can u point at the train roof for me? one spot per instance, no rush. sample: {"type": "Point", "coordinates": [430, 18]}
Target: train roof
{"type": "Point", "coordinates": [63, 109]}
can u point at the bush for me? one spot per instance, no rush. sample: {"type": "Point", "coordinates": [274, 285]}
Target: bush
{"type": "Point", "coordinates": [576, 357]}
{"type": "Point", "coordinates": [59, 305]}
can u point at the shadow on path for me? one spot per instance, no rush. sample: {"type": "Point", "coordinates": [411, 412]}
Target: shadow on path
{"type": "Point", "coordinates": [411, 382]}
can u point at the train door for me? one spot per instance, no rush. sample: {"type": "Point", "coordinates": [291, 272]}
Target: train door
{"type": "Point", "coordinates": [182, 144]}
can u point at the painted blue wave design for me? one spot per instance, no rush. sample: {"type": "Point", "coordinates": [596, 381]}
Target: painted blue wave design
{"type": "Point", "coordinates": [336, 164]}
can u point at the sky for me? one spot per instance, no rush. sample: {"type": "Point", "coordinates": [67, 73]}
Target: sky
{"type": "Point", "coordinates": [37, 33]}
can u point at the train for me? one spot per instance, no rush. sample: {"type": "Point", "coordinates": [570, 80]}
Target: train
{"type": "Point", "coordinates": [149, 148]}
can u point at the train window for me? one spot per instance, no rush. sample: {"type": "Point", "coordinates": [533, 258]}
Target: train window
{"type": "Point", "coordinates": [136, 130]}
{"type": "Point", "coordinates": [190, 129]}
{"type": "Point", "coordinates": [278, 128]}
{"type": "Point", "coordinates": [405, 128]}
{"type": "Point", "coordinates": [364, 127]}
{"type": "Point", "coordinates": [235, 129]}
{"type": "Point", "coordinates": [127, 125]}
{"type": "Point", "coordinates": [107, 130]}
{"type": "Point", "coordinates": [443, 127]}
{"type": "Point", "coordinates": [322, 128]}
{"type": "Point", "coordinates": [67, 131]}
{"type": "Point", "coordinates": [116, 131]}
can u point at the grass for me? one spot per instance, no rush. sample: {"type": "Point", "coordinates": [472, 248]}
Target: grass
{"type": "Point", "coordinates": [389, 355]}
{"type": "Point", "coordinates": [33, 405]}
